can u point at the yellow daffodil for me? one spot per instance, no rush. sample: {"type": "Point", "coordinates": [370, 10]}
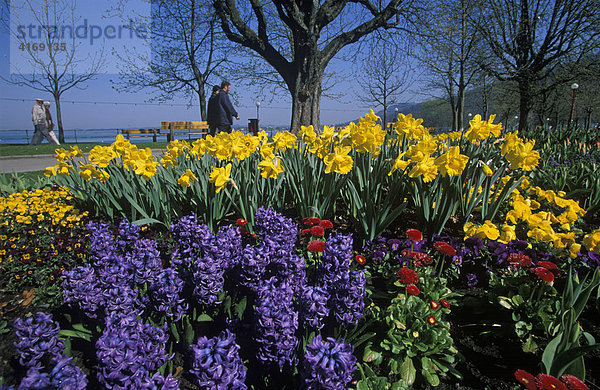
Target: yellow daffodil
{"type": "Point", "coordinates": [270, 167]}
{"type": "Point", "coordinates": [339, 161]}
{"type": "Point", "coordinates": [220, 177]}
{"type": "Point", "coordinates": [186, 179]}
{"type": "Point", "coordinates": [425, 168]}
{"type": "Point", "coordinates": [407, 126]}
{"type": "Point", "coordinates": [102, 155]}
{"type": "Point", "coordinates": [307, 134]}
{"type": "Point", "coordinates": [480, 130]}
{"type": "Point", "coordinates": [399, 163]}
{"type": "Point", "coordinates": [452, 163]}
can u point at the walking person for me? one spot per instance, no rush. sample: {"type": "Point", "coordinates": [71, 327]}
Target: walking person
{"type": "Point", "coordinates": [212, 114]}
{"type": "Point", "coordinates": [38, 117]}
{"type": "Point", "coordinates": [226, 110]}
{"type": "Point", "coordinates": [49, 124]}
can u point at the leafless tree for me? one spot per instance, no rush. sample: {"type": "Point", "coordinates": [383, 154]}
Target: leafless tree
{"type": "Point", "coordinates": [56, 61]}
{"type": "Point", "coordinates": [528, 39]}
{"type": "Point", "coordinates": [188, 50]}
{"type": "Point", "coordinates": [312, 34]}
{"type": "Point", "coordinates": [449, 52]}
{"type": "Point", "coordinates": [383, 76]}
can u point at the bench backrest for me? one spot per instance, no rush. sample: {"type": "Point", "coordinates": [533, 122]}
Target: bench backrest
{"type": "Point", "coordinates": [184, 125]}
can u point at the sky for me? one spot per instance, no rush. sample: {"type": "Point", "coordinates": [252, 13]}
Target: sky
{"type": "Point", "coordinates": [100, 105]}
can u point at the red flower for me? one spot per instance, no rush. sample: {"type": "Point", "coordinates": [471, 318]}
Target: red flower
{"type": "Point", "coordinates": [242, 222]}
{"type": "Point", "coordinates": [519, 260]}
{"type": "Point", "coordinates": [431, 320]}
{"type": "Point", "coordinates": [573, 383]}
{"type": "Point", "coordinates": [412, 290]}
{"type": "Point", "coordinates": [434, 305]}
{"type": "Point", "coordinates": [317, 231]}
{"type": "Point", "coordinates": [407, 276]}
{"type": "Point", "coordinates": [326, 224]}
{"type": "Point", "coordinates": [414, 235]}
{"type": "Point", "coordinates": [444, 248]}
{"type": "Point", "coordinates": [316, 246]}
{"type": "Point", "coordinates": [547, 264]}
{"type": "Point", "coordinates": [544, 274]}
{"type": "Point", "coordinates": [548, 382]}
{"type": "Point", "coordinates": [420, 259]}
{"type": "Point", "coordinates": [405, 252]}
{"type": "Point", "coordinates": [526, 379]}
{"type": "Point", "coordinates": [360, 259]}
{"type": "Point", "coordinates": [311, 221]}
{"type": "Point", "coordinates": [445, 303]}
{"type": "Point", "coordinates": [305, 232]}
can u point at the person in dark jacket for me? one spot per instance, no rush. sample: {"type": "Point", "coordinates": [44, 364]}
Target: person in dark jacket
{"type": "Point", "coordinates": [212, 109]}
{"type": "Point", "coordinates": [226, 110]}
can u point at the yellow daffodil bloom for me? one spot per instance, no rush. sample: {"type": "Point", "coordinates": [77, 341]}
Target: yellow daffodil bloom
{"type": "Point", "coordinates": [220, 177]}
{"type": "Point", "coordinates": [452, 163]}
{"type": "Point", "coordinates": [425, 168]}
{"type": "Point", "coordinates": [307, 134]}
{"type": "Point", "coordinates": [400, 164]}
{"type": "Point", "coordinates": [407, 126]}
{"type": "Point", "coordinates": [270, 167]}
{"type": "Point", "coordinates": [186, 179]}
{"type": "Point", "coordinates": [480, 130]}
{"type": "Point", "coordinates": [102, 155]}
{"type": "Point", "coordinates": [339, 161]}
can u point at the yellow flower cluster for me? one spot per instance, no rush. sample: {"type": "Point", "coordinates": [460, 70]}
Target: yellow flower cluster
{"type": "Point", "coordinates": [592, 241]}
{"type": "Point", "coordinates": [421, 150]}
{"type": "Point", "coordinates": [536, 208]}
{"type": "Point", "coordinates": [31, 207]}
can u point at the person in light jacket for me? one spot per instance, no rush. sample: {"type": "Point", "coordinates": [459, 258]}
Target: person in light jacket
{"type": "Point", "coordinates": [49, 124]}
{"type": "Point", "coordinates": [38, 117]}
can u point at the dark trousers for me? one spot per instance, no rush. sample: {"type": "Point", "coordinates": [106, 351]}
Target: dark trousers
{"type": "Point", "coordinates": [224, 128]}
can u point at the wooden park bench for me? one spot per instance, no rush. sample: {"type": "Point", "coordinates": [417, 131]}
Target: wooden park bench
{"type": "Point", "coordinates": [141, 133]}
{"type": "Point", "coordinates": [171, 129]}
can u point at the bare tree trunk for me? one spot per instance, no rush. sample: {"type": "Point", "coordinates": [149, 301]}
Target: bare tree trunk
{"type": "Point", "coordinates": [202, 103]}
{"type": "Point", "coordinates": [524, 102]}
{"type": "Point", "coordinates": [59, 124]}
{"type": "Point", "coordinates": [306, 91]}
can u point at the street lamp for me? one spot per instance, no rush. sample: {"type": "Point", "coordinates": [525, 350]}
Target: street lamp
{"type": "Point", "coordinates": [516, 121]}
{"type": "Point", "coordinates": [574, 87]}
{"type": "Point", "coordinates": [257, 107]}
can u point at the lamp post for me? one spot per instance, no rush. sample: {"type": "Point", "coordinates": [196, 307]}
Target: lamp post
{"type": "Point", "coordinates": [257, 107]}
{"type": "Point", "coordinates": [574, 87]}
{"type": "Point", "coordinates": [516, 122]}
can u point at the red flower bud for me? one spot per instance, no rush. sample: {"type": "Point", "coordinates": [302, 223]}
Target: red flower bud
{"type": "Point", "coordinates": [414, 235]}
{"type": "Point", "coordinates": [242, 222]}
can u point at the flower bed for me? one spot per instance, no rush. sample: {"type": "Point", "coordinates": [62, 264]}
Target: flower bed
{"type": "Point", "coordinates": [211, 287]}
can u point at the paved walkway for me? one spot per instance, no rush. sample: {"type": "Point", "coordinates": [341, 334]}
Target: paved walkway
{"type": "Point", "coordinates": [9, 164]}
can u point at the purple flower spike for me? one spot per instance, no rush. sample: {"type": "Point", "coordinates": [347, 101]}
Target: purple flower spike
{"type": "Point", "coordinates": [328, 364]}
{"type": "Point", "coordinates": [349, 297]}
{"type": "Point", "coordinates": [313, 306]}
{"type": "Point", "coordinates": [37, 338]}
{"type": "Point", "coordinates": [217, 363]}
{"type": "Point", "coordinates": [275, 229]}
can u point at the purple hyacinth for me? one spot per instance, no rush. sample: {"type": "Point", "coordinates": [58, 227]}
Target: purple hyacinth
{"type": "Point", "coordinates": [277, 323]}
{"type": "Point", "coordinates": [128, 235]}
{"type": "Point", "coordinates": [217, 363]}
{"type": "Point", "coordinates": [275, 229]}
{"type": "Point", "coordinates": [207, 279]}
{"type": "Point", "coordinates": [328, 364]}
{"type": "Point", "coordinates": [336, 259]}
{"type": "Point", "coordinates": [165, 294]}
{"type": "Point", "coordinates": [37, 338]}
{"type": "Point", "coordinates": [80, 287]}
{"type": "Point", "coordinates": [143, 260]}
{"type": "Point", "coordinates": [102, 242]}
{"type": "Point", "coordinates": [228, 246]}
{"type": "Point", "coordinates": [348, 297]}
{"type": "Point", "coordinates": [191, 239]}
{"type": "Point", "coordinates": [129, 350]}
{"type": "Point", "coordinates": [65, 375]}
{"type": "Point", "coordinates": [313, 306]}
{"type": "Point", "coordinates": [253, 264]}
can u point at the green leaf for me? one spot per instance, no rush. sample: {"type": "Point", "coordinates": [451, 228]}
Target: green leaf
{"type": "Point", "coordinates": [530, 346]}
{"type": "Point", "coordinates": [174, 331]}
{"type": "Point", "coordinates": [431, 377]}
{"type": "Point", "coordinates": [550, 352]}
{"type": "Point", "coordinates": [75, 334]}
{"type": "Point", "coordinates": [408, 371]}
{"type": "Point", "coordinates": [240, 307]}
{"type": "Point", "coordinates": [204, 318]}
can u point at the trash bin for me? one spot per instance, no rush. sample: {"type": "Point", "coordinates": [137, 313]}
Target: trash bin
{"type": "Point", "coordinates": [253, 126]}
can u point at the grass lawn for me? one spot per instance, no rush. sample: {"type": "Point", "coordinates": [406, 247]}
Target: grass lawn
{"type": "Point", "coordinates": [29, 150]}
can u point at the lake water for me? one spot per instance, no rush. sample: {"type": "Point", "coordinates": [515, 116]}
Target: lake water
{"type": "Point", "coordinates": [89, 135]}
